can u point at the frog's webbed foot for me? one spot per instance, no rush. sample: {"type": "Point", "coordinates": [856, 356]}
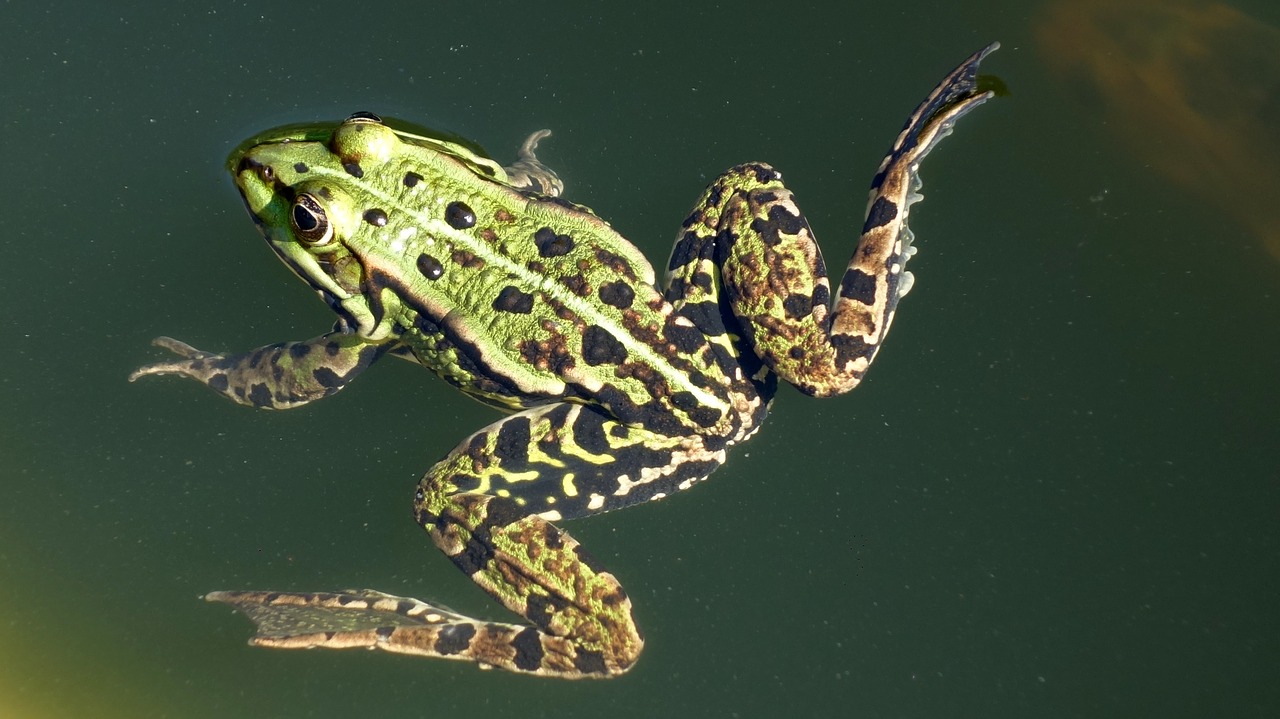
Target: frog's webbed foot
{"type": "Point", "coordinates": [352, 618]}
{"type": "Point", "coordinates": [529, 173]}
{"type": "Point", "coordinates": [293, 619]}
{"type": "Point", "coordinates": [177, 347]}
{"type": "Point", "coordinates": [368, 619]}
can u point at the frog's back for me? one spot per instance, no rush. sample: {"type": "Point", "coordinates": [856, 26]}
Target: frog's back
{"type": "Point", "coordinates": [517, 298]}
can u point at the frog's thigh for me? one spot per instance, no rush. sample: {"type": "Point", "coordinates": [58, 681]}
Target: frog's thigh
{"type": "Point", "coordinates": [773, 275]}
{"type": "Point", "coordinates": [489, 506]}
{"type": "Point", "coordinates": [772, 272]}
{"type": "Point", "coordinates": [580, 615]}
{"type": "Point", "coordinates": [566, 460]}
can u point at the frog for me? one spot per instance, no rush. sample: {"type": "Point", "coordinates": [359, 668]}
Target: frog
{"type": "Point", "coordinates": [615, 390]}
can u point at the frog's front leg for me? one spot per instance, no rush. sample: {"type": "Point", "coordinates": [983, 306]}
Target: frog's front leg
{"type": "Point", "coordinates": [748, 234]}
{"type": "Point", "coordinates": [277, 376]}
{"type": "Point", "coordinates": [529, 173]}
{"type": "Point", "coordinates": [489, 505]}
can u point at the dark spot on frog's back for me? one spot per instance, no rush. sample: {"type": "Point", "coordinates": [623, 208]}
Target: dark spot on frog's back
{"type": "Point", "coordinates": [549, 355]}
{"type": "Point", "coordinates": [616, 263]}
{"type": "Point", "coordinates": [467, 259]}
{"type": "Point", "coordinates": [512, 299]}
{"type": "Point", "coordinates": [376, 217]}
{"type": "Point", "coordinates": [550, 244]}
{"type": "Point", "coordinates": [577, 284]}
{"type": "Point", "coordinates": [599, 347]}
{"type": "Point", "coordinates": [353, 169]}
{"type": "Point", "coordinates": [430, 267]}
{"type": "Point", "coordinates": [459, 216]}
{"type": "Point", "coordinates": [411, 179]}
{"type": "Point", "coordinates": [617, 294]}
{"type": "Point", "coordinates": [301, 168]}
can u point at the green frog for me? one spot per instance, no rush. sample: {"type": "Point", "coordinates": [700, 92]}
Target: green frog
{"type": "Point", "coordinates": [618, 389]}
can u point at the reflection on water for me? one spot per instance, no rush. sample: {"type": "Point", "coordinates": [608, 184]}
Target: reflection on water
{"type": "Point", "coordinates": [1192, 88]}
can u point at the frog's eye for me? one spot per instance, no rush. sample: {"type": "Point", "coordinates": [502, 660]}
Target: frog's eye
{"type": "Point", "coordinates": [364, 116]}
{"type": "Point", "coordinates": [310, 222]}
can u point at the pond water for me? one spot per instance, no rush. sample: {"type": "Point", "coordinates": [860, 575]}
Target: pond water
{"type": "Point", "coordinates": [1055, 495]}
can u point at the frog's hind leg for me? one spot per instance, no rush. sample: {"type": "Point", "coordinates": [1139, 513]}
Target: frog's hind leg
{"type": "Point", "coordinates": [582, 625]}
{"type": "Point", "coordinates": [747, 234]}
{"type": "Point", "coordinates": [489, 505]}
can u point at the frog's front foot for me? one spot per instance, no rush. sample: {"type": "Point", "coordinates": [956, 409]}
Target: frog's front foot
{"type": "Point", "coordinates": [182, 349]}
{"type": "Point", "coordinates": [278, 376]}
{"type": "Point", "coordinates": [529, 173]}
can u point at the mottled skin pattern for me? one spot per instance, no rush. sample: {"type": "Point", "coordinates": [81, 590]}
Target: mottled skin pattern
{"type": "Point", "coordinates": [619, 393]}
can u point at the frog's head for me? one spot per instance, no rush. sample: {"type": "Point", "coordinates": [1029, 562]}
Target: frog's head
{"type": "Point", "coordinates": [299, 184]}
{"type": "Point", "coordinates": [321, 195]}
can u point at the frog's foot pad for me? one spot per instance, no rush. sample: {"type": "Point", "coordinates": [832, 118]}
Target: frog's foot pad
{"type": "Point", "coordinates": [337, 620]}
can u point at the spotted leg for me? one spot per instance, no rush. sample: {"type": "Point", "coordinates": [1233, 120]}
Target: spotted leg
{"type": "Point", "coordinates": [747, 235]}
{"type": "Point", "coordinates": [489, 505]}
{"type": "Point", "coordinates": [278, 376]}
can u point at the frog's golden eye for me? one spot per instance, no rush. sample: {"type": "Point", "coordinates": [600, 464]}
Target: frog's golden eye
{"type": "Point", "coordinates": [310, 222]}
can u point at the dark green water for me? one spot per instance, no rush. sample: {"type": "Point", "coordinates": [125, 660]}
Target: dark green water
{"type": "Point", "coordinates": [1056, 496]}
